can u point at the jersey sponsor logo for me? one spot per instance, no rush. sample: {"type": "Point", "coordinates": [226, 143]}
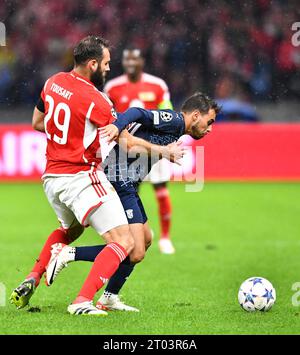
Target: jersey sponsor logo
{"type": "Point", "coordinates": [129, 213]}
{"type": "Point", "coordinates": [147, 96]}
{"type": "Point", "coordinates": [166, 116]}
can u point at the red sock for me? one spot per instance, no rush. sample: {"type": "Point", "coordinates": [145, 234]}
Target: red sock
{"type": "Point", "coordinates": [58, 236]}
{"type": "Point", "coordinates": [105, 265]}
{"type": "Point", "coordinates": [165, 210]}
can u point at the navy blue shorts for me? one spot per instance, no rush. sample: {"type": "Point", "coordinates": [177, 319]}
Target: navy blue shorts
{"type": "Point", "coordinates": [131, 202]}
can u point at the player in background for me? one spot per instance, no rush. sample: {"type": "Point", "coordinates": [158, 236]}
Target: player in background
{"type": "Point", "coordinates": [135, 88]}
{"type": "Point", "coordinates": [71, 111]}
{"type": "Point", "coordinates": [126, 172]}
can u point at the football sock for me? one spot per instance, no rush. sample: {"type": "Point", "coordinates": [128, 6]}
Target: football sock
{"type": "Point", "coordinates": [164, 203]}
{"type": "Point", "coordinates": [118, 279]}
{"type": "Point", "coordinates": [58, 236]}
{"type": "Point", "coordinates": [81, 299]}
{"type": "Point", "coordinates": [89, 253]}
{"type": "Point", "coordinates": [105, 265]}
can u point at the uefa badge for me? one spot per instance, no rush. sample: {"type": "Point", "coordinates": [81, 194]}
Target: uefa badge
{"type": "Point", "coordinates": [166, 116]}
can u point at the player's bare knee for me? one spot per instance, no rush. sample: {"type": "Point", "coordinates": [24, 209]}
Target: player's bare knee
{"type": "Point", "coordinates": [148, 240]}
{"type": "Point", "coordinates": [138, 254]}
{"type": "Point", "coordinates": [148, 237]}
{"type": "Point", "coordinates": [127, 243]}
{"type": "Point", "coordinates": [148, 243]}
{"type": "Point", "coordinates": [122, 236]}
{"type": "Point", "coordinates": [137, 257]}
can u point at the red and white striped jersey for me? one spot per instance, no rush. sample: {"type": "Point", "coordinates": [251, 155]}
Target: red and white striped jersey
{"type": "Point", "coordinates": [74, 112]}
{"type": "Point", "coordinates": [150, 92]}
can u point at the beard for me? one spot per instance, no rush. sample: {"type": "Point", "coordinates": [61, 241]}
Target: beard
{"type": "Point", "coordinates": [196, 136]}
{"type": "Point", "coordinates": [98, 78]}
{"type": "Point", "coordinates": [196, 133]}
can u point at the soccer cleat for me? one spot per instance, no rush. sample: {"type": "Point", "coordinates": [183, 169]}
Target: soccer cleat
{"type": "Point", "coordinates": [61, 255]}
{"type": "Point", "coordinates": [166, 246]}
{"type": "Point", "coordinates": [110, 302]}
{"type": "Point", "coordinates": [85, 309]}
{"type": "Point", "coordinates": [21, 295]}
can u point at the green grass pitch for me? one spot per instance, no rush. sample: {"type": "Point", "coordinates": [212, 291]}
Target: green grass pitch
{"type": "Point", "coordinates": [223, 235]}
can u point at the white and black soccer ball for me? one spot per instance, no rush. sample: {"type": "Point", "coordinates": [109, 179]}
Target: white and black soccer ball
{"type": "Point", "coordinates": [256, 294]}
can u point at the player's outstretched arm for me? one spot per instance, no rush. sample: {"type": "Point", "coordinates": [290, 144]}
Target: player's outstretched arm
{"type": "Point", "coordinates": [131, 115]}
{"type": "Point", "coordinates": [173, 152]}
{"type": "Point", "coordinates": [148, 118]}
{"type": "Point", "coordinates": [38, 120]}
{"type": "Point", "coordinates": [112, 131]}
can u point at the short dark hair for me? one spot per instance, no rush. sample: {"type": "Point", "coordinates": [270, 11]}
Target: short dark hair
{"type": "Point", "coordinates": [90, 47]}
{"type": "Point", "coordinates": [201, 102]}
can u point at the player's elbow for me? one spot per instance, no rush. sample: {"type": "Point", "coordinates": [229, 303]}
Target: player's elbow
{"type": "Point", "coordinates": [38, 127]}
{"type": "Point", "coordinates": [137, 146]}
{"type": "Point", "coordinates": [35, 125]}
{"type": "Point", "coordinates": [126, 140]}
{"type": "Point", "coordinates": [38, 120]}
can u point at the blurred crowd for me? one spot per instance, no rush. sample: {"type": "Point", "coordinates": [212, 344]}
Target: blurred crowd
{"type": "Point", "coordinates": [235, 50]}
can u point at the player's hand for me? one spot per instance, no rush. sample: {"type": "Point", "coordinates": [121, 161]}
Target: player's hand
{"type": "Point", "coordinates": [110, 131]}
{"type": "Point", "coordinates": [175, 152]}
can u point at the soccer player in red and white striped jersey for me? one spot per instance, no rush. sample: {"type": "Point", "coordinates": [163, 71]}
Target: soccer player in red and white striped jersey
{"type": "Point", "coordinates": [135, 88]}
{"type": "Point", "coordinates": [71, 111]}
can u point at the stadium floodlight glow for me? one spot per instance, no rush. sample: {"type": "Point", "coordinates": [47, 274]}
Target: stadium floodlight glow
{"type": "Point", "coordinates": [2, 34]}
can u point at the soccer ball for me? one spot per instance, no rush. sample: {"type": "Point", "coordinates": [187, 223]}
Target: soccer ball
{"type": "Point", "coordinates": [256, 294]}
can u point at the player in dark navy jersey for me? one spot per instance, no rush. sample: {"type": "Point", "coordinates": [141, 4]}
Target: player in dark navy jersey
{"type": "Point", "coordinates": [125, 170]}
{"type": "Point", "coordinates": [161, 127]}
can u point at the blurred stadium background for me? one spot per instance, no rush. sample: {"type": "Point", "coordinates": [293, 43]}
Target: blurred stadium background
{"type": "Point", "coordinates": [241, 53]}
{"type": "Point", "coordinates": [239, 50]}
